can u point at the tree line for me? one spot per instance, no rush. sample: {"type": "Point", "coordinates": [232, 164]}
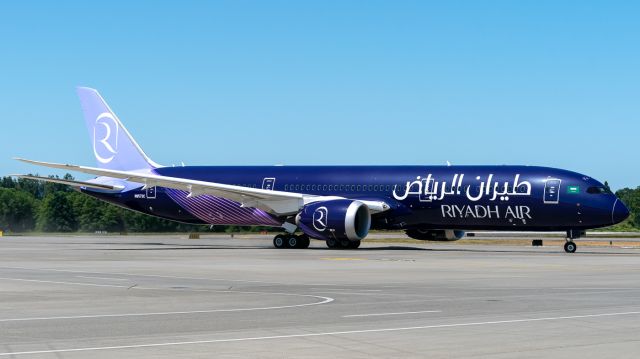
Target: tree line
{"type": "Point", "coordinates": [27, 205]}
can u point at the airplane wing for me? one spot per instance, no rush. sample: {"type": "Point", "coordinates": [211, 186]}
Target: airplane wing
{"type": "Point", "coordinates": [72, 183]}
{"type": "Point", "coordinates": [277, 202]}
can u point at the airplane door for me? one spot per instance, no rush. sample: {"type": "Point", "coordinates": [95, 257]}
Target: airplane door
{"type": "Point", "coordinates": [151, 192]}
{"type": "Point", "coordinates": [268, 183]}
{"type": "Point", "coordinates": [552, 191]}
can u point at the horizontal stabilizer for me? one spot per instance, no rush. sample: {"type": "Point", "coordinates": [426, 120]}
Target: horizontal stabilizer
{"type": "Point", "coordinates": [72, 183]}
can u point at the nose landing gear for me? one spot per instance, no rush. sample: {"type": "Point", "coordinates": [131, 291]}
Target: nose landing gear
{"type": "Point", "coordinates": [570, 246]}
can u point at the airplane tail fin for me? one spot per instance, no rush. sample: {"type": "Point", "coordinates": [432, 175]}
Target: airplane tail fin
{"type": "Point", "coordinates": [113, 146]}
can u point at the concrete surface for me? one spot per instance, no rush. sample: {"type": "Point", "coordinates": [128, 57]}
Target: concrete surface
{"type": "Point", "coordinates": [170, 297]}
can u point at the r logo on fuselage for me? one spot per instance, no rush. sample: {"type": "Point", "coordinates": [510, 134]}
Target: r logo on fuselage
{"type": "Point", "coordinates": [320, 218]}
{"type": "Point", "coordinates": [105, 137]}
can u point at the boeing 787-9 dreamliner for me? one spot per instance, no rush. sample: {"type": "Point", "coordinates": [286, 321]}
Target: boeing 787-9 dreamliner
{"type": "Point", "coordinates": [339, 204]}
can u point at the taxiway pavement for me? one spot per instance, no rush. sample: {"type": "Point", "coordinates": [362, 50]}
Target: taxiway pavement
{"type": "Point", "coordinates": [167, 296]}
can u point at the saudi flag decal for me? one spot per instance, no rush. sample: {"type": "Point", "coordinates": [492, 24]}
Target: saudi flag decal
{"type": "Point", "coordinates": [573, 189]}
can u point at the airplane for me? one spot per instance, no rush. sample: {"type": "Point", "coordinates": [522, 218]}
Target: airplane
{"type": "Point", "coordinates": [338, 204]}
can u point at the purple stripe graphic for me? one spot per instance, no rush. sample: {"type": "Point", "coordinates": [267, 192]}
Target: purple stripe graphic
{"type": "Point", "coordinates": [216, 210]}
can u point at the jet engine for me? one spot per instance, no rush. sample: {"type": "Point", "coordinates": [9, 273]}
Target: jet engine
{"type": "Point", "coordinates": [335, 219]}
{"type": "Point", "coordinates": [435, 234]}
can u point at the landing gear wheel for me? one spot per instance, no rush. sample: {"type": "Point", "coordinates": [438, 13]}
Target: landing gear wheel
{"type": "Point", "coordinates": [345, 243]}
{"type": "Point", "coordinates": [292, 241]}
{"type": "Point", "coordinates": [332, 243]}
{"type": "Point", "coordinates": [570, 247]}
{"type": "Point", "coordinates": [354, 244]}
{"type": "Point", "coordinates": [279, 241]}
{"type": "Point", "coordinates": [303, 241]}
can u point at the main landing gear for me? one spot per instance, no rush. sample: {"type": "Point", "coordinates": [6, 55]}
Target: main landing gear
{"type": "Point", "coordinates": [570, 246]}
{"type": "Point", "coordinates": [291, 241]}
{"type": "Point", "coordinates": [342, 244]}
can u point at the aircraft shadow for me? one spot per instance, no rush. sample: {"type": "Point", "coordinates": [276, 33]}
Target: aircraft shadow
{"type": "Point", "coordinates": [156, 246]}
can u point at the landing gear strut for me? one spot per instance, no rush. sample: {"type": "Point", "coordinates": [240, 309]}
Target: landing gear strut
{"type": "Point", "coordinates": [291, 241]}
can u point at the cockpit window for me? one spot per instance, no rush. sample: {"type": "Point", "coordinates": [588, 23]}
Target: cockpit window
{"type": "Point", "coordinates": [598, 190]}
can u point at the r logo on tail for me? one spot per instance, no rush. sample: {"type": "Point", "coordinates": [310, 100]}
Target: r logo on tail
{"type": "Point", "coordinates": [105, 138]}
{"type": "Point", "coordinates": [113, 146]}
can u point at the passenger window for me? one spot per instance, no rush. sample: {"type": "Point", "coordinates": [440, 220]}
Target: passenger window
{"type": "Point", "coordinates": [353, 188]}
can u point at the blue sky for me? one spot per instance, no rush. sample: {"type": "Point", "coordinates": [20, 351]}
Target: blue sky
{"type": "Point", "coordinates": [330, 82]}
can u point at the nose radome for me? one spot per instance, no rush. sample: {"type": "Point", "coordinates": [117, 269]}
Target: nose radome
{"type": "Point", "coordinates": [620, 212]}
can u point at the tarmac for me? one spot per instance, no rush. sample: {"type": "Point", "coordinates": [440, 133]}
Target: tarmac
{"type": "Point", "coordinates": [172, 297]}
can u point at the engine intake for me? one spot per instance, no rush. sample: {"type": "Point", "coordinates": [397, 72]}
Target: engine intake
{"type": "Point", "coordinates": [435, 234]}
{"type": "Point", "coordinates": [337, 219]}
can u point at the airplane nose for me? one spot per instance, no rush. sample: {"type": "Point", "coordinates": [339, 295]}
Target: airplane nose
{"type": "Point", "coordinates": [619, 212]}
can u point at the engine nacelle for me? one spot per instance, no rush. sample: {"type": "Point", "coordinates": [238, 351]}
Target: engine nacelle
{"type": "Point", "coordinates": [435, 234]}
{"type": "Point", "coordinates": [337, 219]}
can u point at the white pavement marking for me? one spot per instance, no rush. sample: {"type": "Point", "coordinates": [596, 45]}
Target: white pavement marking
{"type": "Point", "coordinates": [57, 282]}
{"type": "Point", "coordinates": [327, 300]}
{"type": "Point", "coordinates": [375, 294]}
{"type": "Point", "coordinates": [347, 289]}
{"type": "Point", "coordinates": [179, 277]}
{"type": "Point", "coordinates": [306, 335]}
{"type": "Point", "coordinates": [105, 278]}
{"type": "Point", "coordinates": [398, 313]}
{"type": "Point", "coordinates": [324, 300]}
